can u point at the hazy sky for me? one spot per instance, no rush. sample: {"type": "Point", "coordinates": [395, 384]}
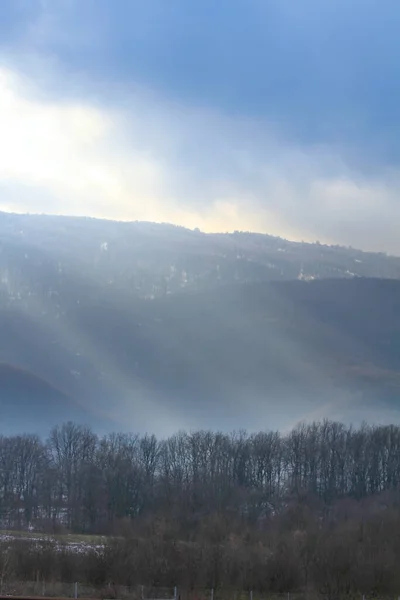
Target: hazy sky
{"type": "Point", "coordinates": [280, 116]}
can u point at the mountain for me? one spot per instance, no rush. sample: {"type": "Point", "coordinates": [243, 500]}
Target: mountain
{"type": "Point", "coordinates": [154, 327]}
{"type": "Point", "coordinates": [253, 355]}
{"type": "Point", "coordinates": [28, 399]}
{"type": "Point", "coordinates": [258, 354]}
{"type": "Point", "coordinates": [69, 260]}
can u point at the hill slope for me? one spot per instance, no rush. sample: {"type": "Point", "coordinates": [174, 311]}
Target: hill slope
{"type": "Point", "coordinates": [67, 260]}
{"type": "Point", "coordinates": [246, 355]}
{"type": "Point", "coordinates": [157, 327]}
{"type": "Point", "coordinates": [26, 399]}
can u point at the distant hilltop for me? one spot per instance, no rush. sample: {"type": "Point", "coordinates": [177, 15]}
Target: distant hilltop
{"type": "Point", "coordinates": [54, 256]}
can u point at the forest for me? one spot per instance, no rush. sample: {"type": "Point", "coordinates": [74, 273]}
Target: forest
{"type": "Point", "coordinates": [316, 509]}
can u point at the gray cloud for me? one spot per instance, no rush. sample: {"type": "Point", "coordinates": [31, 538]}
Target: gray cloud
{"type": "Point", "coordinates": [146, 157]}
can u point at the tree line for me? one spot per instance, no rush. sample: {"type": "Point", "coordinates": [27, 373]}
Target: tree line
{"type": "Point", "coordinates": [315, 510]}
{"type": "Point", "coordinates": [87, 483]}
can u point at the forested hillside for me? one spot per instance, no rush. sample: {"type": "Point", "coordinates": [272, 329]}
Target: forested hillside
{"type": "Point", "coordinates": [76, 259]}
{"type": "Point", "coordinates": [242, 355]}
{"type": "Point", "coordinates": [146, 326]}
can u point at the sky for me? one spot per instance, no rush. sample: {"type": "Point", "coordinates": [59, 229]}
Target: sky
{"type": "Point", "coordinates": [279, 116]}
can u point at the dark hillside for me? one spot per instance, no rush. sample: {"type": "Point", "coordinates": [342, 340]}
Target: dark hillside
{"type": "Point", "coordinates": [28, 399]}
{"type": "Point", "coordinates": [65, 260]}
{"type": "Point", "coordinates": [237, 356]}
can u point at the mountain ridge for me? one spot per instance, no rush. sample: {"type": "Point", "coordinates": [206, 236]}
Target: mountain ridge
{"type": "Point", "coordinates": [63, 255]}
{"type": "Point", "coordinates": [138, 320]}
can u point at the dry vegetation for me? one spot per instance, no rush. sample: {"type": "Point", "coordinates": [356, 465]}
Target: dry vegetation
{"type": "Point", "coordinates": [316, 512]}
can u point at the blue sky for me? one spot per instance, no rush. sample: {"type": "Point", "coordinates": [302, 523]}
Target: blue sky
{"type": "Point", "coordinates": [279, 116]}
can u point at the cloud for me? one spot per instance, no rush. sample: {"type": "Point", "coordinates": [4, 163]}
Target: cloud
{"type": "Point", "coordinates": [195, 167]}
{"type": "Point", "coordinates": [324, 72]}
{"type": "Point", "coordinates": [59, 149]}
{"type": "Point", "coordinates": [76, 158]}
{"type": "Point", "coordinates": [239, 115]}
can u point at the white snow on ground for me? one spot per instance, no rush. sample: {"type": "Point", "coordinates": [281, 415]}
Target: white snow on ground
{"type": "Point", "coordinates": [65, 544]}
